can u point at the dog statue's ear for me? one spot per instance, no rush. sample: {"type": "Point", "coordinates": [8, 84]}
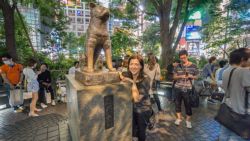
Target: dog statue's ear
{"type": "Point", "coordinates": [92, 5]}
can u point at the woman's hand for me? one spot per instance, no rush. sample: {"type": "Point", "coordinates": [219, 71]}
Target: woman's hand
{"type": "Point", "coordinates": [125, 79]}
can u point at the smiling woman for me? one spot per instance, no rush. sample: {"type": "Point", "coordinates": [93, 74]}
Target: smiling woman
{"type": "Point", "coordinates": [142, 109]}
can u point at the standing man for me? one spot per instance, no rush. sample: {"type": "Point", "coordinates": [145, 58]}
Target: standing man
{"type": "Point", "coordinates": [12, 75]}
{"type": "Point", "coordinates": [184, 74]}
{"type": "Point", "coordinates": [73, 69]}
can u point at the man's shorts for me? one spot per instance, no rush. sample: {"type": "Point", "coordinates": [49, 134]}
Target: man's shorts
{"type": "Point", "coordinates": [33, 86]}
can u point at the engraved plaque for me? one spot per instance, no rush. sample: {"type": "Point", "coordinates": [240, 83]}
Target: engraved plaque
{"type": "Point", "coordinates": [109, 111]}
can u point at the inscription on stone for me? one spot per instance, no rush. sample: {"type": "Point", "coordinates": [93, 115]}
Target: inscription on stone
{"type": "Point", "coordinates": [109, 111]}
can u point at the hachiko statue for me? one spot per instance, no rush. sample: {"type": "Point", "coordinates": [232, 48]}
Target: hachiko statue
{"type": "Point", "coordinates": [98, 37]}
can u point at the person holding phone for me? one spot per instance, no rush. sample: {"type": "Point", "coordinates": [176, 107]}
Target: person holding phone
{"type": "Point", "coordinates": [184, 74]}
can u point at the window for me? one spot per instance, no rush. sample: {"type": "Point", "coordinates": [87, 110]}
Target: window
{"type": "Point", "coordinates": [72, 20]}
{"type": "Point", "coordinates": [87, 20]}
{"type": "Point", "coordinates": [80, 28]}
{"type": "Point", "coordinates": [80, 20]}
{"type": "Point", "coordinates": [71, 12]}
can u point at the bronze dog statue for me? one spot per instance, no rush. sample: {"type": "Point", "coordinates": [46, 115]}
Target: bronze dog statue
{"type": "Point", "coordinates": [98, 37]}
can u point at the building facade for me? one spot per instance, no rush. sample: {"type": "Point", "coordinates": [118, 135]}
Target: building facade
{"type": "Point", "coordinates": [78, 14]}
{"type": "Point", "coordinates": [32, 18]}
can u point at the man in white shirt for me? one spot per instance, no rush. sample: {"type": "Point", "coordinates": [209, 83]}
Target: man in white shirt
{"type": "Point", "coordinates": [73, 69]}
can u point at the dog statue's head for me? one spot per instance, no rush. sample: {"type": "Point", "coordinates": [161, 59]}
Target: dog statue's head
{"type": "Point", "coordinates": [99, 12]}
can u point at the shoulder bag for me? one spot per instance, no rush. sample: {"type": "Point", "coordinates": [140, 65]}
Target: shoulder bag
{"type": "Point", "coordinates": [238, 123]}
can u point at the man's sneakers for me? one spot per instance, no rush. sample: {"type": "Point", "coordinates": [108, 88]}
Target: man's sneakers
{"type": "Point", "coordinates": [178, 122]}
{"type": "Point", "coordinates": [188, 124]}
{"type": "Point", "coordinates": [53, 103]}
{"type": "Point", "coordinates": [43, 105]}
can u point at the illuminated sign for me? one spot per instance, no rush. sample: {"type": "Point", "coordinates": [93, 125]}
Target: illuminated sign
{"type": "Point", "coordinates": [193, 32]}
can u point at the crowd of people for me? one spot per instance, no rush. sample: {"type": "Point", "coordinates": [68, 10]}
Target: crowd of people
{"type": "Point", "coordinates": [38, 83]}
{"type": "Point", "coordinates": [145, 74]}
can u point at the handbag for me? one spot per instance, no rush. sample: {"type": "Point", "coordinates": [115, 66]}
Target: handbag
{"type": "Point", "coordinates": [154, 83]}
{"type": "Point", "coordinates": [48, 97]}
{"type": "Point", "coordinates": [238, 123]}
{"type": "Point", "coordinates": [194, 97]}
{"type": "Point", "coordinates": [16, 96]}
{"type": "Point", "coordinates": [217, 96]}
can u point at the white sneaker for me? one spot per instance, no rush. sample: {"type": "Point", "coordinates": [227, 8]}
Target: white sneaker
{"type": "Point", "coordinates": [188, 124]}
{"type": "Point", "coordinates": [177, 121]}
{"type": "Point", "coordinates": [53, 103]}
{"type": "Point", "coordinates": [33, 114]}
{"type": "Point", "coordinates": [43, 105]}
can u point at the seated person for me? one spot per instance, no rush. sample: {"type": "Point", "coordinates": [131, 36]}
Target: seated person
{"type": "Point", "coordinates": [44, 79]}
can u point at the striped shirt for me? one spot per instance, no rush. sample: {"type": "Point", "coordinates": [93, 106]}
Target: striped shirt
{"type": "Point", "coordinates": [183, 70]}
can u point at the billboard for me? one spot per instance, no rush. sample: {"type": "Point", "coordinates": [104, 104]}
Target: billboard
{"type": "Point", "coordinates": [193, 32]}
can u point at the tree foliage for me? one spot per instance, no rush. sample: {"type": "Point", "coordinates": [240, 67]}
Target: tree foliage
{"type": "Point", "coordinates": [226, 27]}
{"type": "Point", "coordinates": [151, 38]}
{"type": "Point", "coordinates": [51, 13]}
{"type": "Point", "coordinates": [122, 42]}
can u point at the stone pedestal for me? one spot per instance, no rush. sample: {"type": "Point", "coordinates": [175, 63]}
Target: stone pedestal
{"type": "Point", "coordinates": [97, 78]}
{"type": "Point", "coordinates": [99, 113]}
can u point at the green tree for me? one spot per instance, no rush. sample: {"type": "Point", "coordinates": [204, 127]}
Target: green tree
{"type": "Point", "coordinates": [122, 42]}
{"type": "Point", "coordinates": [74, 44]}
{"type": "Point", "coordinates": [225, 28]}
{"type": "Point", "coordinates": [151, 38]}
{"type": "Point", "coordinates": [51, 14]}
{"type": "Point", "coordinates": [173, 16]}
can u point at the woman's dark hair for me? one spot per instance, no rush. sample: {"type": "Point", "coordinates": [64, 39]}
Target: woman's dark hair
{"type": "Point", "coordinates": [222, 63]}
{"type": "Point", "coordinates": [183, 52]}
{"type": "Point", "coordinates": [31, 62]}
{"type": "Point", "coordinates": [238, 55]}
{"type": "Point", "coordinates": [45, 64]}
{"type": "Point", "coordinates": [140, 59]}
{"type": "Point", "coordinates": [76, 62]}
{"type": "Point", "coordinates": [7, 56]}
{"type": "Point", "coordinates": [150, 56]}
{"type": "Point", "coordinates": [211, 59]}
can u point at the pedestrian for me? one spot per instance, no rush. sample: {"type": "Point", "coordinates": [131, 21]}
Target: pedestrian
{"type": "Point", "coordinates": [236, 91]}
{"type": "Point", "coordinates": [184, 74]}
{"type": "Point", "coordinates": [45, 83]}
{"type": "Point", "coordinates": [32, 86]}
{"type": "Point", "coordinates": [152, 69]}
{"type": "Point", "coordinates": [12, 75]}
{"type": "Point", "coordinates": [208, 74]}
{"type": "Point", "coordinates": [142, 109]}
{"type": "Point", "coordinates": [219, 72]}
{"type": "Point", "coordinates": [74, 68]}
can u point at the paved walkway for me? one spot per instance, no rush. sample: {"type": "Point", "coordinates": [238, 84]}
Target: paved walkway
{"type": "Point", "coordinates": [52, 124]}
{"type": "Point", "coordinates": [205, 128]}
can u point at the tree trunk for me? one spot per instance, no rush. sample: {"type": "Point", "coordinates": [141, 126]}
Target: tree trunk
{"type": "Point", "coordinates": [9, 27]}
{"type": "Point", "coordinates": [166, 45]}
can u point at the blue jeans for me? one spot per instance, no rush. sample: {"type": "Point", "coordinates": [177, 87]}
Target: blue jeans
{"type": "Point", "coordinates": [228, 135]}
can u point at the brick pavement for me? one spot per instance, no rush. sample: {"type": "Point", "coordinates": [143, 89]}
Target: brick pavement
{"type": "Point", "coordinates": [205, 128]}
{"type": "Point", "coordinates": [52, 125]}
